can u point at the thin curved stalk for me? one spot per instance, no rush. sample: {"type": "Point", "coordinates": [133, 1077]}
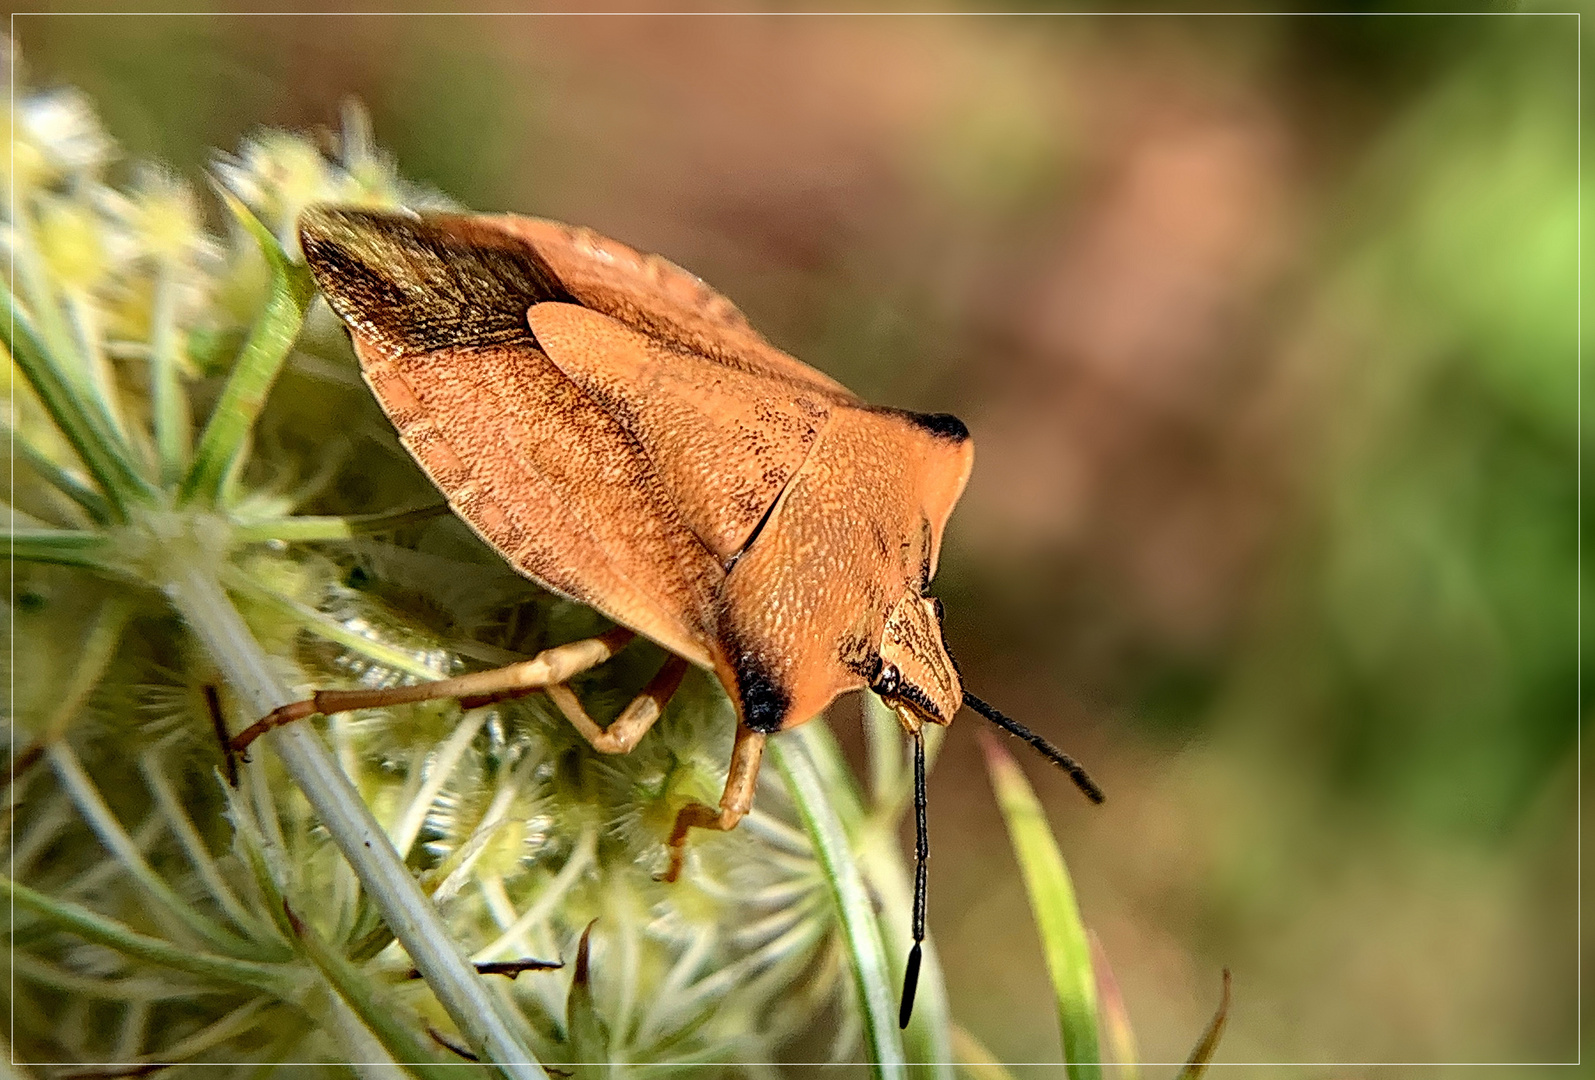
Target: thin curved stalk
{"type": "Point", "coordinates": [1207, 1046]}
{"type": "Point", "coordinates": [92, 502]}
{"type": "Point", "coordinates": [302, 528]}
{"type": "Point", "coordinates": [94, 657]}
{"type": "Point", "coordinates": [177, 820]}
{"type": "Point", "coordinates": [167, 396]}
{"type": "Point", "coordinates": [860, 931]}
{"type": "Point", "coordinates": [61, 547]}
{"type": "Point", "coordinates": [267, 347]}
{"type": "Point", "coordinates": [94, 927]}
{"type": "Point", "coordinates": [407, 911]}
{"type": "Point", "coordinates": [103, 453]}
{"type": "Point", "coordinates": [97, 815]}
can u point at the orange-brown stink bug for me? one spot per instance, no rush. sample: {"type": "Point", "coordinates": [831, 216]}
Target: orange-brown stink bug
{"type": "Point", "coordinates": [619, 433]}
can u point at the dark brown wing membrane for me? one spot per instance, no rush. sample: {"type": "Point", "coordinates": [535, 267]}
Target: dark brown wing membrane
{"type": "Point", "coordinates": [414, 284]}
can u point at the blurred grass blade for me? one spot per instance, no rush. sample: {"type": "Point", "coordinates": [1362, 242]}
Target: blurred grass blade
{"type": "Point", "coordinates": [825, 756]}
{"type": "Point", "coordinates": [1197, 1064]}
{"type": "Point", "coordinates": [1116, 1029]}
{"type": "Point", "coordinates": [80, 420]}
{"type": "Point", "coordinates": [1063, 938]}
{"type": "Point", "coordinates": [267, 347]}
{"type": "Point", "coordinates": [356, 990]}
{"type": "Point", "coordinates": [860, 932]}
{"type": "Point", "coordinates": [974, 1060]}
{"type": "Point", "coordinates": [883, 728]}
{"type": "Point", "coordinates": [925, 1040]}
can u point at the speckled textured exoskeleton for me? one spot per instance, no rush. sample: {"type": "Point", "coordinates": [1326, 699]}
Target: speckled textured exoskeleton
{"type": "Point", "coordinates": [621, 435]}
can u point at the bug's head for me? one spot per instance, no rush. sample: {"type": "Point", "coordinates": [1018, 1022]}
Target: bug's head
{"type": "Point", "coordinates": [916, 675]}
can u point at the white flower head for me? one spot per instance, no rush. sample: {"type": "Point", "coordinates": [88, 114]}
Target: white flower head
{"type": "Point", "coordinates": [161, 214]}
{"type": "Point", "coordinates": [55, 134]}
{"type": "Point", "coordinates": [277, 175]}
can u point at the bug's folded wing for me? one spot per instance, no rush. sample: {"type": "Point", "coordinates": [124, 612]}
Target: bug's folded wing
{"type": "Point", "coordinates": [660, 299]}
{"type": "Point", "coordinates": [553, 482]}
{"type": "Point", "coordinates": [724, 442]}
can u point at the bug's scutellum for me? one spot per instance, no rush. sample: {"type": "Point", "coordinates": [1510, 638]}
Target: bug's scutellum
{"type": "Point", "coordinates": [620, 434]}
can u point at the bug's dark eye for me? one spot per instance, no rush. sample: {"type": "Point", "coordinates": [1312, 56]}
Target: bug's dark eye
{"type": "Point", "coordinates": [886, 680]}
{"type": "Point", "coordinates": [935, 605]}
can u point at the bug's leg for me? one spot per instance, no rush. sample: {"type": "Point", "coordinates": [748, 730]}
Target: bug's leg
{"type": "Point", "coordinates": [546, 668]}
{"type": "Point", "coordinates": [734, 804]}
{"type": "Point", "coordinates": [632, 724]}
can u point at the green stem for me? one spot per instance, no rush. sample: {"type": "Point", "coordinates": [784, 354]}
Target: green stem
{"type": "Point", "coordinates": [91, 926]}
{"type": "Point", "coordinates": [361, 997]}
{"type": "Point", "coordinates": [305, 528]}
{"type": "Point", "coordinates": [63, 547]}
{"type": "Point", "coordinates": [168, 401]}
{"type": "Point", "coordinates": [412, 917]}
{"type": "Point", "coordinates": [79, 418]}
{"type": "Point", "coordinates": [85, 321]}
{"type": "Point", "coordinates": [219, 1031]}
{"type": "Point", "coordinates": [854, 911]}
{"type": "Point", "coordinates": [132, 988]}
{"type": "Point", "coordinates": [41, 298]}
{"type": "Point", "coordinates": [57, 477]}
{"type": "Point", "coordinates": [264, 352]}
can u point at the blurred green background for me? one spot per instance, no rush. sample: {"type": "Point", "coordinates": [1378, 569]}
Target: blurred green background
{"type": "Point", "coordinates": [1266, 330]}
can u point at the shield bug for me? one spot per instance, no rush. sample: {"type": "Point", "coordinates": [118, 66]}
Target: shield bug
{"type": "Point", "coordinates": [620, 434]}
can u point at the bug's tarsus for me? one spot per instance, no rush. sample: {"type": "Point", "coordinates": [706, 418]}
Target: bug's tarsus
{"type": "Point", "coordinates": [283, 714]}
{"type": "Point", "coordinates": [921, 856]}
{"type": "Point", "coordinates": [1063, 761]}
{"type": "Point", "coordinates": [735, 802]}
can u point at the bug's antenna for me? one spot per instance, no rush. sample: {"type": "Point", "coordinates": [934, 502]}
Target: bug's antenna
{"type": "Point", "coordinates": [1057, 757]}
{"type": "Point", "coordinates": [921, 853]}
